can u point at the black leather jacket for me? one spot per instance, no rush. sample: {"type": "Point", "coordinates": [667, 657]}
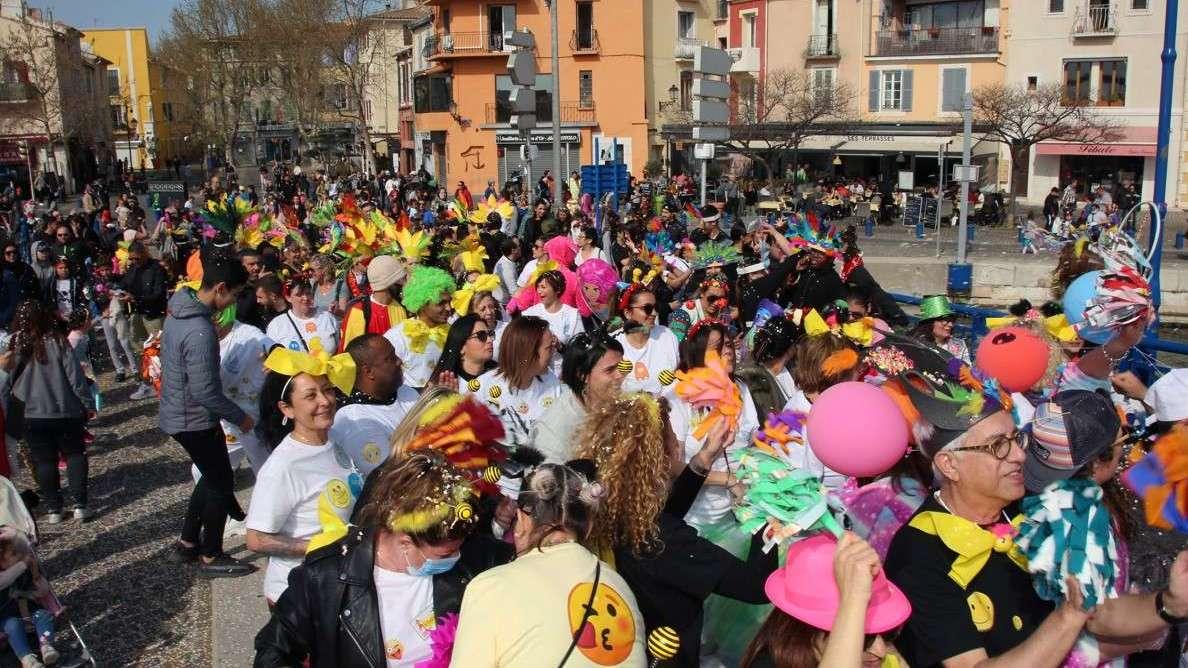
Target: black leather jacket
{"type": "Point", "coordinates": [330, 612]}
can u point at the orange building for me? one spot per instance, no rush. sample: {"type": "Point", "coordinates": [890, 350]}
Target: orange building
{"type": "Point", "coordinates": [461, 98]}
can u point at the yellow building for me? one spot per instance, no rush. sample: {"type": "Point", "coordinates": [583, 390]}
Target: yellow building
{"type": "Point", "coordinates": [144, 118]}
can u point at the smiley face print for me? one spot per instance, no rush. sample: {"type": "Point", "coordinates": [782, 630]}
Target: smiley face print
{"type": "Point", "coordinates": [981, 611]}
{"type": "Point", "coordinates": [608, 634]}
{"type": "Point", "coordinates": [338, 493]}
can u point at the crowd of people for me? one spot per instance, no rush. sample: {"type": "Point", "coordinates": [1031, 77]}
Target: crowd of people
{"type": "Point", "coordinates": [494, 431]}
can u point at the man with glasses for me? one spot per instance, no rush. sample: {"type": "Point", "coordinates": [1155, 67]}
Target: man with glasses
{"type": "Point", "coordinates": [973, 601]}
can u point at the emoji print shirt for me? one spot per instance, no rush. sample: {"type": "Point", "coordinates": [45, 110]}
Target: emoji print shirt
{"type": "Point", "coordinates": [418, 365]}
{"type": "Point", "coordinates": [658, 354]}
{"type": "Point", "coordinates": [365, 430]}
{"type": "Point", "coordinates": [997, 610]}
{"type": "Point", "coordinates": [296, 333]}
{"type": "Point", "coordinates": [406, 616]}
{"type": "Point", "coordinates": [297, 483]}
{"type": "Point", "coordinates": [241, 370]}
{"type": "Point", "coordinates": [526, 613]}
{"type": "Point", "coordinates": [518, 410]}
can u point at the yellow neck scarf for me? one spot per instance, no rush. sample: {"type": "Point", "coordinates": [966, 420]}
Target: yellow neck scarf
{"type": "Point", "coordinates": [971, 543]}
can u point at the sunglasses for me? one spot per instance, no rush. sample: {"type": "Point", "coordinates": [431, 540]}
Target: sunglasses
{"type": "Point", "coordinates": [10, 251]}
{"type": "Point", "coordinates": [648, 309]}
{"type": "Point", "coordinates": [483, 336]}
{"type": "Point", "coordinates": [888, 637]}
{"type": "Point", "coordinates": [1000, 446]}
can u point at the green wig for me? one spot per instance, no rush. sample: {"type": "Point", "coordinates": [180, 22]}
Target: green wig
{"type": "Point", "coordinates": [425, 285]}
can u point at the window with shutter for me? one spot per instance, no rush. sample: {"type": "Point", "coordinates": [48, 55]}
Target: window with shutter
{"type": "Point", "coordinates": [873, 103]}
{"type": "Point", "coordinates": [906, 77]}
{"type": "Point", "coordinates": [952, 89]}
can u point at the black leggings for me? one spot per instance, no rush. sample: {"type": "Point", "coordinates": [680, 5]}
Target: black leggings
{"type": "Point", "coordinates": [47, 439]}
{"type": "Point", "coordinates": [213, 498]}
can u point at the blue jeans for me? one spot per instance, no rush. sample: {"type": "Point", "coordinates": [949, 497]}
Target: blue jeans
{"type": "Point", "coordinates": [14, 627]}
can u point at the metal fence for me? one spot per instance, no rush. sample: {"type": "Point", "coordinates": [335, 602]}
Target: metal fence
{"type": "Point", "coordinates": [585, 41]}
{"type": "Point", "coordinates": [571, 112]}
{"type": "Point", "coordinates": [1095, 21]}
{"type": "Point", "coordinates": [822, 45]}
{"type": "Point", "coordinates": [936, 41]}
{"type": "Point", "coordinates": [464, 43]}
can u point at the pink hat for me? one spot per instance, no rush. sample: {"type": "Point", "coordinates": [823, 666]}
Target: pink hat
{"type": "Point", "coordinates": [805, 589]}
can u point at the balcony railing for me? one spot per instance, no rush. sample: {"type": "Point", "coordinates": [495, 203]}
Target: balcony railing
{"type": "Point", "coordinates": [822, 46]}
{"type": "Point", "coordinates": [465, 44]}
{"type": "Point", "coordinates": [584, 41]}
{"type": "Point", "coordinates": [686, 47]}
{"type": "Point", "coordinates": [1098, 21]}
{"type": "Point", "coordinates": [15, 92]}
{"type": "Point", "coordinates": [577, 113]}
{"type": "Point", "coordinates": [936, 41]}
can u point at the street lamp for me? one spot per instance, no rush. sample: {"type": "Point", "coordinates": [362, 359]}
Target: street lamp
{"type": "Point", "coordinates": [128, 140]}
{"type": "Point", "coordinates": [673, 91]}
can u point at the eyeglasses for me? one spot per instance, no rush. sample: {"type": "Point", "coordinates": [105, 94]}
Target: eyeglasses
{"type": "Point", "coordinates": [483, 336]}
{"type": "Point", "coordinates": [10, 251]}
{"type": "Point", "coordinates": [888, 637]}
{"type": "Point", "coordinates": [648, 309]}
{"type": "Point", "coordinates": [1000, 447]}
{"type": "Point", "coordinates": [714, 298]}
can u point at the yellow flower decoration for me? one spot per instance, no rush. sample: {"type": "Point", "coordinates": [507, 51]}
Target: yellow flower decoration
{"type": "Point", "coordinates": [504, 208]}
{"type": "Point", "coordinates": [463, 297]}
{"type": "Point", "coordinates": [413, 247]}
{"type": "Point", "coordinates": [340, 369]}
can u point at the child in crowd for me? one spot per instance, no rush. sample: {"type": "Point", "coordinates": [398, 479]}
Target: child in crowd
{"type": "Point", "coordinates": [21, 587]}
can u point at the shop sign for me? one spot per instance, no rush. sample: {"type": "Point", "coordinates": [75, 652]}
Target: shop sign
{"type": "Point", "coordinates": [538, 137]}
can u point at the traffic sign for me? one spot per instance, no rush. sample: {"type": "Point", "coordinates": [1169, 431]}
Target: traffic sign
{"type": "Point", "coordinates": [711, 133]}
{"type": "Point", "coordinates": [707, 60]}
{"type": "Point", "coordinates": [710, 111]}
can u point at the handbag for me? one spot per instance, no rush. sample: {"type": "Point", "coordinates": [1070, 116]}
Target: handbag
{"type": "Point", "coordinates": [14, 414]}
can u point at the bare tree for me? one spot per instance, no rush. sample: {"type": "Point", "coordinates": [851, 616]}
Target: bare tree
{"type": "Point", "coordinates": [218, 44]}
{"type": "Point", "coordinates": [299, 50]}
{"type": "Point", "coordinates": [1021, 118]}
{"type": "Point", "coordinates": [788, 108]}
{"type": "Point", "coordinates": [352, 62]}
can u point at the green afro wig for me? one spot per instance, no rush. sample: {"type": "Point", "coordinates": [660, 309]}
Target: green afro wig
{"type": "Point", "coordinates": [425, 286]}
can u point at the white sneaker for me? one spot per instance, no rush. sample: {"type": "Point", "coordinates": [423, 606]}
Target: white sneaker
{"type": "Point", "coordinates": [49, 654]}
{"type": "Point", "coordinates": [143, 392]}
{"type": "Point", "coordinates": [53, 518]}
{"type": "Point", "coordinates": [235, 528]}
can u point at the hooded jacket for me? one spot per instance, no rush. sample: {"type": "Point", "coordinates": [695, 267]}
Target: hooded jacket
{"type": "Point", "coordinates": [192, 396]}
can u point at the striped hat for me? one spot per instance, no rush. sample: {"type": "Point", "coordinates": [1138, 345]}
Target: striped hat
{"type": "Point", "coordinates": [1067, 433]}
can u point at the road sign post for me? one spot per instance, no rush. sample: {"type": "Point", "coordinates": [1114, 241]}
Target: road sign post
{"type": "Point", "coordinates": [711, 115]}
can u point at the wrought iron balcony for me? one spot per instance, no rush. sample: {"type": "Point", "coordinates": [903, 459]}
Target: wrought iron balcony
{"type": "Point", "coordinates": [936, 41]}
{"type": "Point", "coordinates": [584, 42]}
{"type": "Point", "coordinates": [822, 46]}
{"type": "Point", "coordinates": [1100, 21]}
{"type": "Point", "coordinates": [686, 47]}
{"type": "Point", "coordinates": [572, 113]}
{"type": "Point", "coordinates": [456, 44]}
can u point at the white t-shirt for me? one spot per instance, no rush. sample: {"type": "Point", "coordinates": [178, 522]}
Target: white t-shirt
{"type": "Point", "coordinates": [295, 483]}
{"type": "Point", "coordinates": [500, 326]}
{"type": "Point", "coordinates": [291, 331]}
{"type": "Point", "coordinates": [658, 354]}
{"type": "Point", "coordinates": [565, 324]}
{"type": "Point", "coordinates": [713, 501]}
{"type": "Point", "coordinates": [241, 371]}
{"type": "Point", "coordinates": [364, 430]}
{"type": "Point", "coordinates": [418, 367]}
{"type": "Point", "coordinates": [517, 409]}
{"type": "Point", "coordinates": [406, 616]}
{"type": "Point", "coordinates": [526, 273]}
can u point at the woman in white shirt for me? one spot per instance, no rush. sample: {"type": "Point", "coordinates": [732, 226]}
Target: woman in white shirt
{"type": "Point", "coordinates": [587, 238]}
{"type": "Point", "coordinates": [521, 387]}
{"type": "Point", "coordinates": [297, 328]}
{"type": "Point", "coordinates": [564, 320]}
{"type": "Point", "coordinates": [552, 572]}
{"type": "Point", "coordinates": [307, 480]}
{"type": "Point", "coordinates": [648, 348]}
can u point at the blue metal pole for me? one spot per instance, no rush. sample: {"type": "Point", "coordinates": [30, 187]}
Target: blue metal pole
{"type": "Point", "coordinates": [1168, 56]}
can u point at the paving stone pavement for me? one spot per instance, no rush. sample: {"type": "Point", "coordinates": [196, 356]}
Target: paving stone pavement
{"type": "Point", "coordinates": [131, 606]}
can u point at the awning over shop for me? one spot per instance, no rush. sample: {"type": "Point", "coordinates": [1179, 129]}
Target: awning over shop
{"type": "Point", "coordinates": [1129, 141]}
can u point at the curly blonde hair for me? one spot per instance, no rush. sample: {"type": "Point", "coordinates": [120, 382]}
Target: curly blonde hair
{"type": "Point", "coordinates": [625, 439]}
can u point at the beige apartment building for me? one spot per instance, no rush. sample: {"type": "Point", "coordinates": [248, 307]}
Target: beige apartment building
{"type": "Point", "coordinates": [1105, 53]}
{"type": "Point", "coordinates": [673, 31]}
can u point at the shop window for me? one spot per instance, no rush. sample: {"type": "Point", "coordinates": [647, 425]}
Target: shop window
{"type": "Point", "coordinates": [431, 94]}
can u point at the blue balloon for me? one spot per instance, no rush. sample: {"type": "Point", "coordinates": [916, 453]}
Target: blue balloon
{"type": "Point", "coordinates": [1077, 296]}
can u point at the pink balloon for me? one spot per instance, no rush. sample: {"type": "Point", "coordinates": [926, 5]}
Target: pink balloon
{"type": "Point", "coordinates": [857, 430]}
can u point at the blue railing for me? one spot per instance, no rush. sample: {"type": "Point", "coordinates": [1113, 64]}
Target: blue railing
{"type": "Point", "coordinates": [977, 327]}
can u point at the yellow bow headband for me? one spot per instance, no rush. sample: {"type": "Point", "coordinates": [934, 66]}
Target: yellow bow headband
{"type": "Point", "coordinates": [860, 332]}
{"type": "Point", "coordinates": [464, 296]}
{"type": "Point", "coordinates": [1056, 326]}
{"type": "Point", "coordinates": [340, 369]}
{"type": "Point", "coordinates": [542, 267]}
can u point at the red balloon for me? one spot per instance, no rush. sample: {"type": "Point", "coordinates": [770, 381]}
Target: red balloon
{"type": "Point", "coordinates": [1015, 356]}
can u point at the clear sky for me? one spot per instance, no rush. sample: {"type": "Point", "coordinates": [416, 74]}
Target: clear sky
{"type": "Point", "coordinates": [83, 14]}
